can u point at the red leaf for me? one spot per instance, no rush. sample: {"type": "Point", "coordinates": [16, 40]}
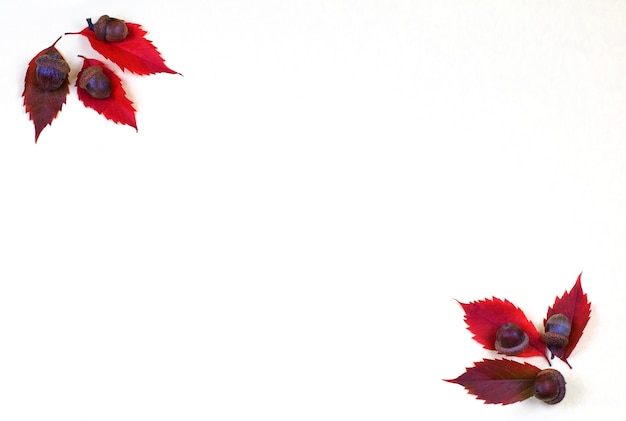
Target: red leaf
{"type": "Point", "coordinates": [116, 107]}
{"type": "Point", "coordinates": [485, 317]}
{"type": "Point", "coordinates": [499, 381]}
{"type": "Point", "coordinates": [43, 105]}
{"type": "Point", "coordinates": [135, 53]}
{"type": "Point", "coordinates": [575, 306]}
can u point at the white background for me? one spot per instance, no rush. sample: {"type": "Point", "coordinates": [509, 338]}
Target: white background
{"type": "Point", "coordinates": [285, 235]}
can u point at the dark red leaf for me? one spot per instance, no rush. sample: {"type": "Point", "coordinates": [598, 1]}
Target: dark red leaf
{"type": "Point", "coordinates": [485, 317]}
{"type": "Point", "coordinates": [499, 381]}
{"type": "Point", "coordinates": [43, 105]}
{"type": "Point", "coordinates": [575, 306]}
{"type": "Point", "coordinates": [135, 53]}
{"type": "Point", "coordinates": [117, 107]}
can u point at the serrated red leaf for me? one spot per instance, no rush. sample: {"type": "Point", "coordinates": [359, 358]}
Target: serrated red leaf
{"type": "Point", "coordinates": [499, 381]}
{"type": "Point", "coordinates": [577, 308]}
{"type": "Point", "coordinates": [117, 107]}
{"type": "Point", "coordinates": [485, 317]}
{"type": "Point", "coordinates": [41, 105]}
{"type": "Point", "coordinates": [135, 53]}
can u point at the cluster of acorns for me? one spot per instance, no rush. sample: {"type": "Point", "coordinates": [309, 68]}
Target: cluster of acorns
{"type": "Point", "coordinates": [500, 326]}
{"type": "Point", "coordinates": [549, 385]}
{"type": "Point", "coordinates": [122, 43]}
{"type": "Point", "coordinates": [511, 339]}
{"type": "Point", "coordinates": [52, 70]}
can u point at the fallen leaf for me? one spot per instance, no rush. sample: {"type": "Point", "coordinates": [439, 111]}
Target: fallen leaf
{"type": "Point", "coordinates": [577, 308]}
{"type": "Point", "coordinates": [485, 317]}
{"type": "Point", "coordinates": [499, 381]}
{"type": "Point", "coordinates": [117, 107]}
{"type": "Point", "coordinates": [43, 105]}
{"type": "Point", "coordinates": [135, 53]}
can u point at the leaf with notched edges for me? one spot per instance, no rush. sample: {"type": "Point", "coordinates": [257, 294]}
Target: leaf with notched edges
{"type": "Point", "coordinates": [43, 105]}
{"type": "Point", "coordinates": [135, 52]}
{"type": "Point", "coordinates": [577, 308]}
{"type": "Point", "coordinates": [499, 381]}
{"type": "Point", "coordinates": [117, 107]}
{"type": "Point", "coordinates": [485, 317]}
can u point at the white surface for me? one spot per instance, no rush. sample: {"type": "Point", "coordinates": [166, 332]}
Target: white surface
{"type": "Point", "coordinates": [284, 236]}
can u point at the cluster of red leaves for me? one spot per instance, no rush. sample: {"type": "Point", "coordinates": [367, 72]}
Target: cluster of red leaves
{"type": "Point", "coordinates": [504, 381]}
{"type": "Point", "coordinates": [135, 54]}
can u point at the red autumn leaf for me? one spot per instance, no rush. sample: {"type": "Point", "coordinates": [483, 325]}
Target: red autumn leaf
{"type": "Point", "coordinates": [117, 107]}
{"type": "Point", "coordinates": [135, 52]}
{"type": "Point", "coordinates": [499, 381]}
{"type": "Point", "coordinates": [576, 307]}
{"type": "Point", "coordinates": [43, 105]}
{"type": "Point", "coordinates": [485, 317]}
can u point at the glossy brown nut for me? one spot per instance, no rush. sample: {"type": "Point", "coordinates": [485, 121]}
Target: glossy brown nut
{"type": "Point", "coordinates": [110, 29]}
{"type": "Point", "coordinates": [558, 328]}
{"type": "Point", "coordinates": [511, 339]}
{"type": "Point", "coordinates": [549, 386]}
{"type": "Point", "coordinates": [51, 71]}
{"type": "Point", "coordinates": [95, 82]}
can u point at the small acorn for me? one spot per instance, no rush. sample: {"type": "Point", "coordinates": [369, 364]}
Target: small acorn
{"type": "Point", "coordinates": [549, 386]}
{"type": "Point", "coordinates": [558, 328]}
{"type": "Point", "coordinates": [51, 71]}
{"type": "Point", "coordinates": [95, 82]}
{"type": "Point", "coordinates": [511, 339]}
{"type": "Point", "coordinates": [109, 29]}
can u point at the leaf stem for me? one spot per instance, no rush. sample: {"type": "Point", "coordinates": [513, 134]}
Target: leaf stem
{"type": "Point", "coordinates": [55, 42]}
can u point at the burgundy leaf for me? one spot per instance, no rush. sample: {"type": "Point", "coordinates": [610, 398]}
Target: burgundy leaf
{"type": "Point", "coordinates": [576, 307]}
{"type": "Point", "coordinates": [117, 107]}
{"type": "Point", "coordinates": [135, 53]}
{"type": "Point", "coordinates": [499, 381]}
{"type": "Point", "coordinates": [485, 317]}
{"type": "Point", "coordinates": [43, 105]}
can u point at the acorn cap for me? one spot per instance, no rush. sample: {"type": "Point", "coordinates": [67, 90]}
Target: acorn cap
{"type": "Point", "coordinates": [95, 82]}
{"type": "Point", "coordinates": [51, 71]}
{"type": "Point", "coordinates": [52, 62]}
{"type": "Point", "coordinates": [100, 27]}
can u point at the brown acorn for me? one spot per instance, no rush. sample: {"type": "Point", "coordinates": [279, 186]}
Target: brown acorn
{"type": "Point", "coordinates": [109, 29]}
{"type": "Point", "coordinates": [51, 71]}
{"type": "Point", "coordinates": [511, 339]}
{"type": "Point", "coordinates": [549, 386]}
{"type": "Point", "coordinates": [95, 82]}
{"type": "Point", "coordinates": [558, 328]}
